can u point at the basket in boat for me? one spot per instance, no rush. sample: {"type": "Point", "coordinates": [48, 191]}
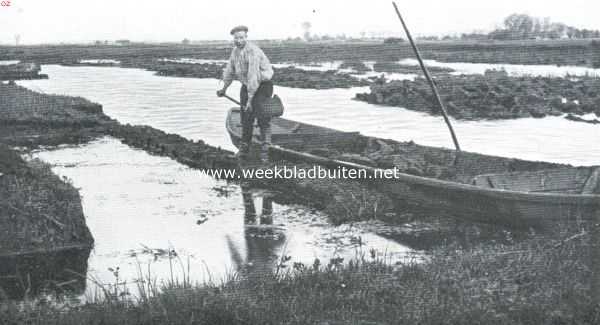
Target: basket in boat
{"type": "Point", "coordinates": [271, 107]}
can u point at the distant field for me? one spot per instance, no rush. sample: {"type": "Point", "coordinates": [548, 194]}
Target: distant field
{"type": "Point", "coordinates": [557, 52]}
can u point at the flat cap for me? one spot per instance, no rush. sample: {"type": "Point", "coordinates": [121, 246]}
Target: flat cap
{"type": "Point", "coordinates": [239, 29]}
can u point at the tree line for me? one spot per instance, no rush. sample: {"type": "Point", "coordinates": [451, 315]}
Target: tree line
{"type": "Point", "coordinates": [523, 26]}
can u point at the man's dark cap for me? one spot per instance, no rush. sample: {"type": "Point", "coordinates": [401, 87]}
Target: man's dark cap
{"type": "Point", "coordinates": [238, 29]}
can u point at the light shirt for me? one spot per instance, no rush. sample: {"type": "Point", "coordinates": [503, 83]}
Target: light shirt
{"type": "Point", "coordinates": [248, 65]}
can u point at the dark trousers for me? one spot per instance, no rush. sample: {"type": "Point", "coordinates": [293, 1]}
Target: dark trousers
{"type": "Point", "coordinates": [265, 91]}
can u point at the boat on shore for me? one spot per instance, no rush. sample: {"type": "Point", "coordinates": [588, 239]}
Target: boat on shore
{"type": "Point", "coordinates": [480, 187]}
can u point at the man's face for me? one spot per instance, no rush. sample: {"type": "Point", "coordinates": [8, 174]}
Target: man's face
{"type": "Point", "coordinates": [239, 39]}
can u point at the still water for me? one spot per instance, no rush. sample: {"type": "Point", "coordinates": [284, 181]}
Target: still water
{"type": "Point", "coordinates": [139, 206]}
{"type": "Point", "coordinates": [190, 108]}
{"type": "Point", "coordinates": [512, 69]}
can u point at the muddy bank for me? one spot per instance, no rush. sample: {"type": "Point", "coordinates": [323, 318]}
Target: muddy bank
{"type": "Point", "coordinates": [39, 211]}
{"type": "Point", "coordinates": [21, 71]}
{"type": "Point", "coordinates": [494, 95]}
{"type": "Point", "coordinates": [344, 200]}
{"type": "Point", "coordinates": [195, 154]}
{"type": "Point", "coordinates": [356, 65]}
{"type": "Point", "coordinates": [31, 119]}
{"type": "Point", "coordinates": [287, 77]}
{"type": "Point", "coordinates": [298, 78]}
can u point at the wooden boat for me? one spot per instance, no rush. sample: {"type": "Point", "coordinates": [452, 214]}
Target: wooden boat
{"type": "Point", "coordinates": [481, 187]}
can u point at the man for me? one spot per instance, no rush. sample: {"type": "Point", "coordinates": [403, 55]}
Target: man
{"type": "Point", "coordinates": [249, 65]}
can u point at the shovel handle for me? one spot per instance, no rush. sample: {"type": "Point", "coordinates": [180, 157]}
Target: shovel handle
{"type": "Point", "coordinates": [233, 100]}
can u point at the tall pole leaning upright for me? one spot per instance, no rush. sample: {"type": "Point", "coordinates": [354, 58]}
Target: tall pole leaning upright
{"type": "Point", "coordinates": [595, 256]}
{"type": "Point", "coordinates": [426, 72]}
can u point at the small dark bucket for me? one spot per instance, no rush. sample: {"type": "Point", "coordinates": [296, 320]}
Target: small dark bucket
{"type": "Point", "coordinates": [271, 107]}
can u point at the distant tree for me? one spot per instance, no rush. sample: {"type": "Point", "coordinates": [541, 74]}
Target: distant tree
{"type": "Point", "coordinates": [586, 33]}
{"type": "Point", "coordinates": [522, 26]}
{"type": "Point", "coordinates": [558, 30]}
{"type": "Point", "coordinates": [519, 25]}
{"type": "Point", "coordinates": [185, 41]}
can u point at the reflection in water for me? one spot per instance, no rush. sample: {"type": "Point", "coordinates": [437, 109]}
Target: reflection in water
{"type": "Point", "coordinates": [198, 216]}
{"type": "Point", "coordinates": [262, 238]}
{"type": "Point", "coordinates": [30, 275]}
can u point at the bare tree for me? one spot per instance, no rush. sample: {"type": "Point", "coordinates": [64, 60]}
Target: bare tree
{"type": "Point", "coordinates": [519, 25]}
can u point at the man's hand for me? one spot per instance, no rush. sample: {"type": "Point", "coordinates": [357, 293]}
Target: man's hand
{"type": "Point", "coordinates": [248, 107]}
{"type": "Point", "coordinates": [221, 92]}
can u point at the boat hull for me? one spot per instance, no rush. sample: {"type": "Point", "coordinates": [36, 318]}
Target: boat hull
{"type": "Point", "coordinates": [492, 205]}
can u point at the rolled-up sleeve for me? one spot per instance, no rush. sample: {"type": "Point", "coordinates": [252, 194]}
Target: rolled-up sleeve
{"type": "Point", "coordinates": [229, 72]}
{"type": "Point", "coordinates": [266, 69]}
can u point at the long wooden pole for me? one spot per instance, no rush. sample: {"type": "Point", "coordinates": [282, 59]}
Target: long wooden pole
{"type": "Point", "coordinates": [426, 72]}
{"type": "Point", "coordinates": [595, 248]}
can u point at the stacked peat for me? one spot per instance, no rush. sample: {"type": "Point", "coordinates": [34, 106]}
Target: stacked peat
{"type": "Point", "coordinates": [494, 95]}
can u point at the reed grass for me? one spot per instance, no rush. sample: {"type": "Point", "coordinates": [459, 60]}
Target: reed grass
{"type": "Point", "coordinates": [538, 281]}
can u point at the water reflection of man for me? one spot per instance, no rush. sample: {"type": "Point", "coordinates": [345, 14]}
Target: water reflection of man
{"type": "Point", "coordinates": [249, 65]}
{"type": "Point", "coordinates": [262, 239]}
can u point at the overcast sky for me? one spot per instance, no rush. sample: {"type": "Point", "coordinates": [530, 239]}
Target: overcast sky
{"type": "Point", "coordinates": [54, 21]}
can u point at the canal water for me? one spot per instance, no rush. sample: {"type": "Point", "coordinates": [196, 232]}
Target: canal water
{"type": "Point", "coordinates": [189, 107]}
{"type": "Point", "coordinates": [141, 207]}
{"type": "Point", "coordinates": [512, 69]}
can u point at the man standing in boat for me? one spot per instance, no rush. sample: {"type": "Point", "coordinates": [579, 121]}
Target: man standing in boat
{"type": "Point", "coordinates": [249, 65]}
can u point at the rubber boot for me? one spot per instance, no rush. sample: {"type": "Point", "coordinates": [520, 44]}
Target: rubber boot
{"type": "Point", "coordinates": [243, 151]}
{"type": "Point", "coordinates": [265, 137]}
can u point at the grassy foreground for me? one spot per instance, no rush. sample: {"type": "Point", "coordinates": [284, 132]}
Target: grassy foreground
{"type": "Point", "coordinates": [533, 282]}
